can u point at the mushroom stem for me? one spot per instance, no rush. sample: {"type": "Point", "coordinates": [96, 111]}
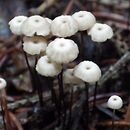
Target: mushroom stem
{"type": "Point", "coordinates": [86, 107]}
{"type": "Point", "coordinates": [95, 94]}
{"type": "Point", "coordinates": [53, 96]}
{"type": "Point", "coordinates": [113, 118]}
{"type": "Point", "coordinates": [81, 47]}
{"type": "Point", "coordinates": [70, 107]}
{"type": "Point", "coordinates": [33, 80]}
{"type": "Point", "coordinates": [61, 96]}
{"type": "Point", "coordinates": [98, 52]}
{"type": "Point", "coordinates": [3, 115]}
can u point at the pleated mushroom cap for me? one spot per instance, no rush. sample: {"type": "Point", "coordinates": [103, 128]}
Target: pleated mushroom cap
{"type": "Point", "coordinates": [84, 19]}
{"type": "Point", "coordinates": [36, 25]}
{"type": "Point", "coordinates": [64, 26]}
{"type": "Point", "coordinates": [47, 68]}
{"type": "Point", "coordinates": [16, 23]}
{"type": "Point", "coordinates": [88, 71]}
{"type": "Point", "coordinates": [62, 50]}
{"type": "Point", "coordinates": [100, 32]}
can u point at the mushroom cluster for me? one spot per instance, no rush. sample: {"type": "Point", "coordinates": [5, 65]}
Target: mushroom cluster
{"type": "Point", "coordinates": [37, 29]}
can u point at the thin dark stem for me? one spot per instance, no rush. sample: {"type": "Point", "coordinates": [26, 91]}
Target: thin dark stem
{"type": "Point", "coordinates": [81, 47]}
{"type": "Point", "coordinates": [3, 116]}
{"type": "Point", "coordinates": [70, 107]}
{"type": "Point", "coordinates": [54, 97]}
{"type": "Point", "coordinates": [61, 97]}
{"type": "Point", "coordinates": [34, 77]}
{"type": "Point", "coordinates": [113, 118]}
{"type": "Point", "coordinates": [87, 106]}
{"type": "Point", "coordinates": [39, 84]}
{"type": "Point", "coordinates": [39, 88]}
{"type": "Point", "coordinates": [95, 94]}
{"type": "Point", "coordinates": [27, 62]}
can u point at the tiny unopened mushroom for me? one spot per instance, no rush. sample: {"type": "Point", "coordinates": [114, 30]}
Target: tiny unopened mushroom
{"type": "Point", "coordinates": [87, 71]}
{"type": "Point", "coordinates": [62, 50]}
{"type": "Point", "coordinates": [69, 77]}
{"type": "Point", "coordinates": [64, 26]}
{"type": "Point", "coordinates": [47, 68]}
{"type": "Point", "coordinates": [36, 25]}
{"type": "Point", "coordinates": [100, 32]}
{"type": "Point", "coordinates": [16, 23]}
{"type": "Point", "coordinates": [34, 45]}
{"type": "Point", "coordinates": [84, 19]}
{"type": "Point", "coordinates": [115, 102]}
{"type": "Point", "coordinates": [3, 83]}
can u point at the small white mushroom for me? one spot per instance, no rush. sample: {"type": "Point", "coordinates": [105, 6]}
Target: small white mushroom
{"type": "Point", "coordinates": [16, 23]}
{"type": "Point", "coordinates": [34, 45]}
{"type": "Point", "coordinates": [3, 83]}
{"type": "Point", "coordinates": [84, 19]}
{"type": "Point", "coordinates": [62, 50]}
{"type": "Point", "coordinates": [47, 68]}
{"type": "Point", "coordinates": [87, 71]}
{"type": "Point", "coordinates": [64, 26]}
{"type": "Point", "coordinates": [115, 102]}
{"type": "Point", "coordinates": [69, 78]}
{"type": "Point", "coordinates": [36, 25]}
{"type": "Point", "coordinates": [100, 32]}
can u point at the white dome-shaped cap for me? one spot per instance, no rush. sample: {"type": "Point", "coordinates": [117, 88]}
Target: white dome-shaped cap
{"type": "Point", "coordinates": [62, 50]}
{"type": "Point", "coordinates": [84, 19]}
{"type": "Point", "coordinates": [88, 71]}
{"type": "Point", "coordinates": [34, 45]}
{"type": "Point", "coordinates": [69, 77]}
{"type": "Point", "coordinates": [15, 24]}
{"type": "Point", "coordinates": [48, 20]}
{"type": "Point", "coordinates": [115, 102]}
{"type": "Point", "coordinates": [36, 25]}
{"type": "Point", "coordinates": [47, 68]}
{"type": "Point", "coordinates": [64, 26]}
{"type": "Point", "coordinates": [3, 83]}
{"type": "Point", "coordinates": [100, 32]}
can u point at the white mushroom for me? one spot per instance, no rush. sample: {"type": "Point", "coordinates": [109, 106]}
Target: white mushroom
{"type": "Point", "coordinates": [3, 83]}
{"type": "Point", "coordinates": [62, 50]}
{"type": "Point", "coordinates": [15, 24]}
{"type": "Point", "coordinates": [64, 26]}
{"type": "Point", "coordinates": [47, 68]}
{"type": "Point", "coordinates": [69, 77]}
{"type": "Point", "coordinates": [36, 25]}
{"type": "Point", "coordinates": [115, 102]}
{"type": "Point", "coordinates": [84, 19]}
{"type": "Point", "coordinates": [88, 71]}
{"type": "Point", "coordinates": [34, 45]}
{"type": "Point", "coordinates": [100, 32]}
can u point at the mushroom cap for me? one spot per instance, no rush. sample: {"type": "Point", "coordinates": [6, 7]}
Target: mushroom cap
{"type": "Point", "coordinates": [47, 68]}
{"type": "Point", "coordinates": [115, 102]}
{"type": "Point", "coordinates": [84, 19]}
{"type": "Point", "coordinates": [64, 26]}
{"type": "Point", "coordinates": [87, 71]}
{"type": "Point", "coordinates": [62, 50]}
{"type": "Point", "coordinates": [16, 23]}
{"type": "Point", "coordinates": [100, 32]}
{"type": "Point", "coordinates": [48, 20]}
{"type": "Point", "coordinates": [36, 25]}
{"type": "Point", "coordinates": [3, 83]}
{"type": "Point", "coordinates": [69, 77]}
{"type": "Point", "coordinates": [34, 45]}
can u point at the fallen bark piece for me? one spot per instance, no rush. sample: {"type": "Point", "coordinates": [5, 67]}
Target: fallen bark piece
{"type": "Point", "coordinates": [114, 69]}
